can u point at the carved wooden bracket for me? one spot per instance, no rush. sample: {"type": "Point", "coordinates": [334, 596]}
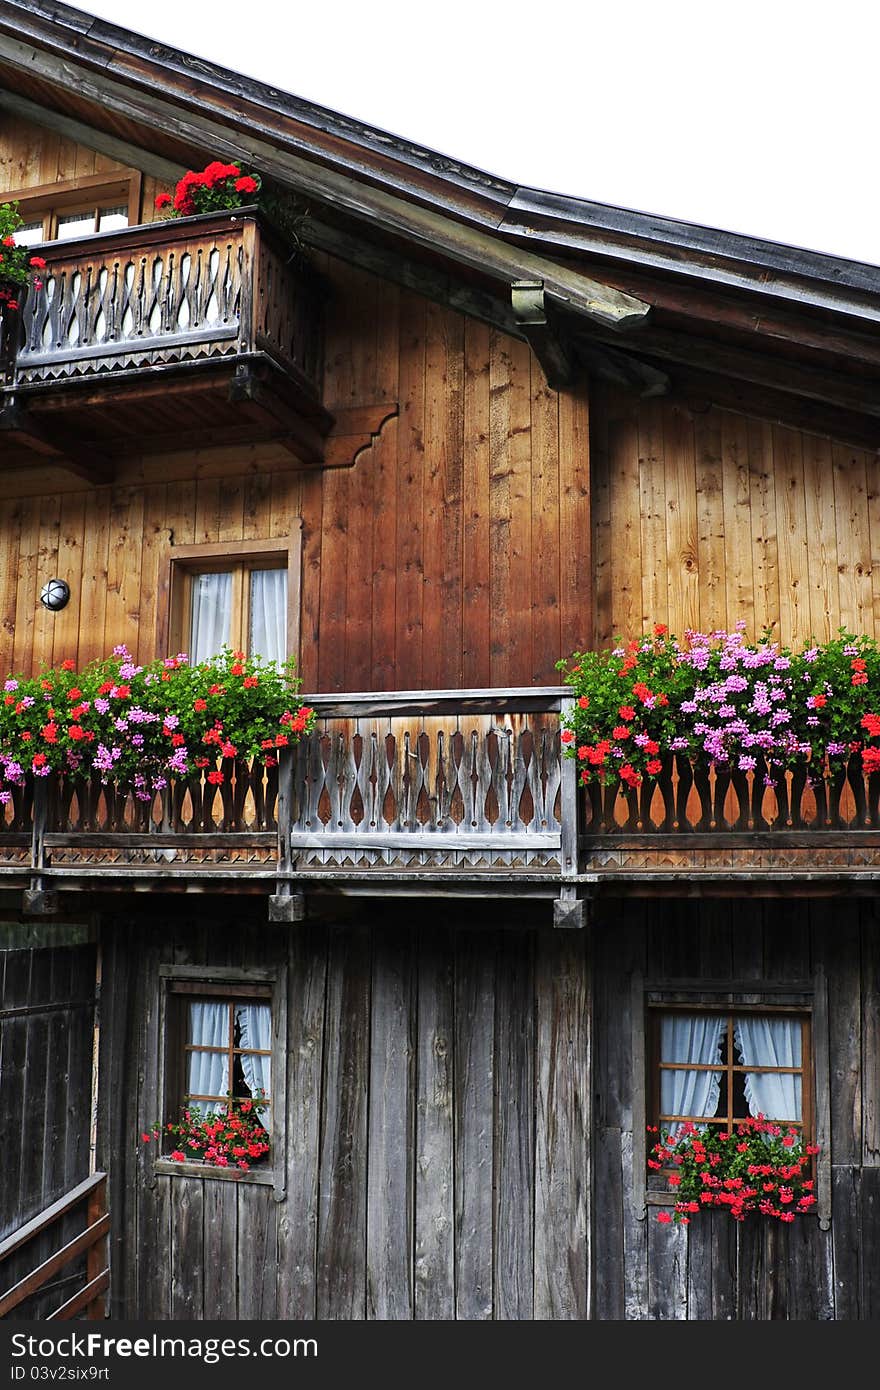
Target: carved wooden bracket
{"type": "Point", "coordinates": [355, 429]}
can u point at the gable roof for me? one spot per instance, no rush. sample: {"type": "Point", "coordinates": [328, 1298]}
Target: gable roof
{"type": "Point", "coordinates": [633, 296]}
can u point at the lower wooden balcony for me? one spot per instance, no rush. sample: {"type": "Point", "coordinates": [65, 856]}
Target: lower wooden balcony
{"type": "Point", "coordinates": [445, 794]}
{"type": "Point", "coordinates": [449, 792]}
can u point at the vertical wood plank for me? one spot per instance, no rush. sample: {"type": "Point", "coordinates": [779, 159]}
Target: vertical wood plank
{"type": "Point", "coordinates": [95, 559]}
{"type": "Point", "coordinates": [298, 1214]}
{"type": "Point", "coordinates": [575, 523]}
{"type": "Point", "coordinates": [412, 445]}
{"type": "Point", "coordinates": [121, 615]}
{"type": "Point", "coordinates": [47, 566]}
{"type": "Point", "coordinates": [820, 520]}
{"type": "Point", "coordinates": [474, 1123]}
{"type": "Point", "coordinates": [683, 581]}
{"type": "Point", "coordinates": [652, 496]}
{"type": "Point", "coordinates": [853, 539]}
{"type": "Point", "coordinates": [710, 521]}
{"type": "Point", "coordinates": [626, 557]}
{"type": "Point", "coordinates": [563, 1173]}
{"type": "Point", "coordinates": [222, 1250]}
{"type": "Point", "coordinates": [336, 549]}
{"type": "Point", "coordinates": [765, 550]}
{"type": "Point", "coordinates": [67, 624]}
{"type": "Point", "coordinates": [788, 471]}
{"type": "Point", "coordinates": [26, 593]}
{"type": "Point", "coordinates": [391, 1129]}
{"type": "Point", "coordinates": [383, 458]}
{"type": "Point", "coordinates": [514, 1141]}
{"type": "Point", "coordinates": [434, 1261]}
{"type": "Point", "coordinates": [546, 597]}
{"type": "Point", "coordinates": [188, 1261]}
{"type": "Point", "coordinates": [739, 581]}
{"type": "Point", "coordinates": [356, 618]}
{"type": "Point", "coordinates": [341, 1254]}
{"type": "Point", "coordinates": [258, 1263]}
{"type": "Point", "coordinates": [476, 501]}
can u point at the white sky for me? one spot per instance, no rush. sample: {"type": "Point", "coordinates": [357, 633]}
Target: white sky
{"type": "Point", "coordinates": [756, 116]}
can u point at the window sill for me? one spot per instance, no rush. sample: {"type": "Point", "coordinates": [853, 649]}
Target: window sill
{"type": "Point", "coordinates": [264, 1177]}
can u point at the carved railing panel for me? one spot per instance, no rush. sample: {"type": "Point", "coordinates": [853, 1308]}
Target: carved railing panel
{"type": "Point", "coordinates": [189, 821]}
{"type": "Point", "coordinates": [443, 787]}
{"type": "Point", "coordinates": [694, 799]}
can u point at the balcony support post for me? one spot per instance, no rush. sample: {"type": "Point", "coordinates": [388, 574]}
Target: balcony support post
{"type": "Point", "coordinates": [288, 902]}
{"type": "Point", "coordinates": [38, 900]}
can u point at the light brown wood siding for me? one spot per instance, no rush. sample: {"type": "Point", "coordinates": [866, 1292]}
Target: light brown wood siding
{"type": "Point", "coordinates": [113, 544]}
{"type": "Point", "coordinates": [703, 518]}
{"type": "Point", "coordinates": [31, 156]}
{"type": "Point", "coordinates": [453, 550]}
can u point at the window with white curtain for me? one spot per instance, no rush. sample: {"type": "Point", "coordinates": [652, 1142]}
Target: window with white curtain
{"type": "Point", "coordinates": [715, 1068]}
{"type": "Point", "coordinates": [221, 1047]}
{"type": "Point", "coordinates": [243, 606]}
{"type": "Point", "coordinates": [227, 1051]}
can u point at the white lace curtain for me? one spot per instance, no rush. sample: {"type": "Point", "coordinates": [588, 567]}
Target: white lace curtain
{"type": "Point", "coordinates": [770, 1042]}
{"type": "Point", "coordinates": [690, 1038]}
{"type": "Point", "coordinates": [268, 616]}
{"type": "Point", "coordinates": [759, 1041]}
{"type": "Point", "coordinates": [255, 1030]}
{"type": "Point", "coordinates": [211, 615]}
{"type": "Point", "coordinates": [208, 1072]}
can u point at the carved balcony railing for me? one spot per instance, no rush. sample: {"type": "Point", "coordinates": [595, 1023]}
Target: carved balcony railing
{"type": "Point", "coordinates": [443, 784]}
{"type": "Point", "coordinates": [211, 302]}
{"type": "Point", "coordinates": [443, 792]}
{"type": "Point", "coordinates": [65, 833]}
{"type": "Point", "coordinates": [698, 819]}
{"type": "Point", "coordinates": [413, 789]}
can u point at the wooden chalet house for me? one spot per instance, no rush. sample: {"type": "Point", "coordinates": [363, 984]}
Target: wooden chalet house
{"type": "Point", "coordinates": [469, 429]}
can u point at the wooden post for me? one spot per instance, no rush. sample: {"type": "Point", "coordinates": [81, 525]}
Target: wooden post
{"type": "Point", "coordinates": [284, 904]}
{"type": "Point", "coordinates": [568, 909]}
{"type": "Point", "coordinates": [38, 900]}
{"type": "Point", "coordinates": [97, 1255]}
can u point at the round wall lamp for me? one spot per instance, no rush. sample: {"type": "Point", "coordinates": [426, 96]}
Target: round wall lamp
{"type": "Point", "coordinates": [55, 594]}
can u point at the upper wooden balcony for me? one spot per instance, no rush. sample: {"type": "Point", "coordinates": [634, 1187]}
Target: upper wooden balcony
{"type": "Point", "coordinates": [199, 329]}
{"type": "Point", "coordinates": [444, 793]}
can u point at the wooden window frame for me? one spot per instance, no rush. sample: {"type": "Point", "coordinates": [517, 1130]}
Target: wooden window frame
{"type": "Point", "coordinates": [225, 982]}
{"type": "Point", "coordinates": [729, 1068]}
{"type": "Point", "coordinates": [184, 561]}
{"type": "Point", "coordinates": [97, 190]}
{"type": "Point", "coordinates": [807, 998]}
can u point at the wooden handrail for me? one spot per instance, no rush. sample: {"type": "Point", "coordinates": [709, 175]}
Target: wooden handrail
{"type": "Point", "coordinates": [92, 1241]}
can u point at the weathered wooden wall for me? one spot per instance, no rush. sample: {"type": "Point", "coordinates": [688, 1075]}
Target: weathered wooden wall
{"type": "Point", "coordinates": [46, 1041]}
{"type": "Point", "coordinates": [437, 1121]}
{"type": "Point", "coordinates": [703, 517]}
{"type": "Point", "coordinates": [715, 1268]}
